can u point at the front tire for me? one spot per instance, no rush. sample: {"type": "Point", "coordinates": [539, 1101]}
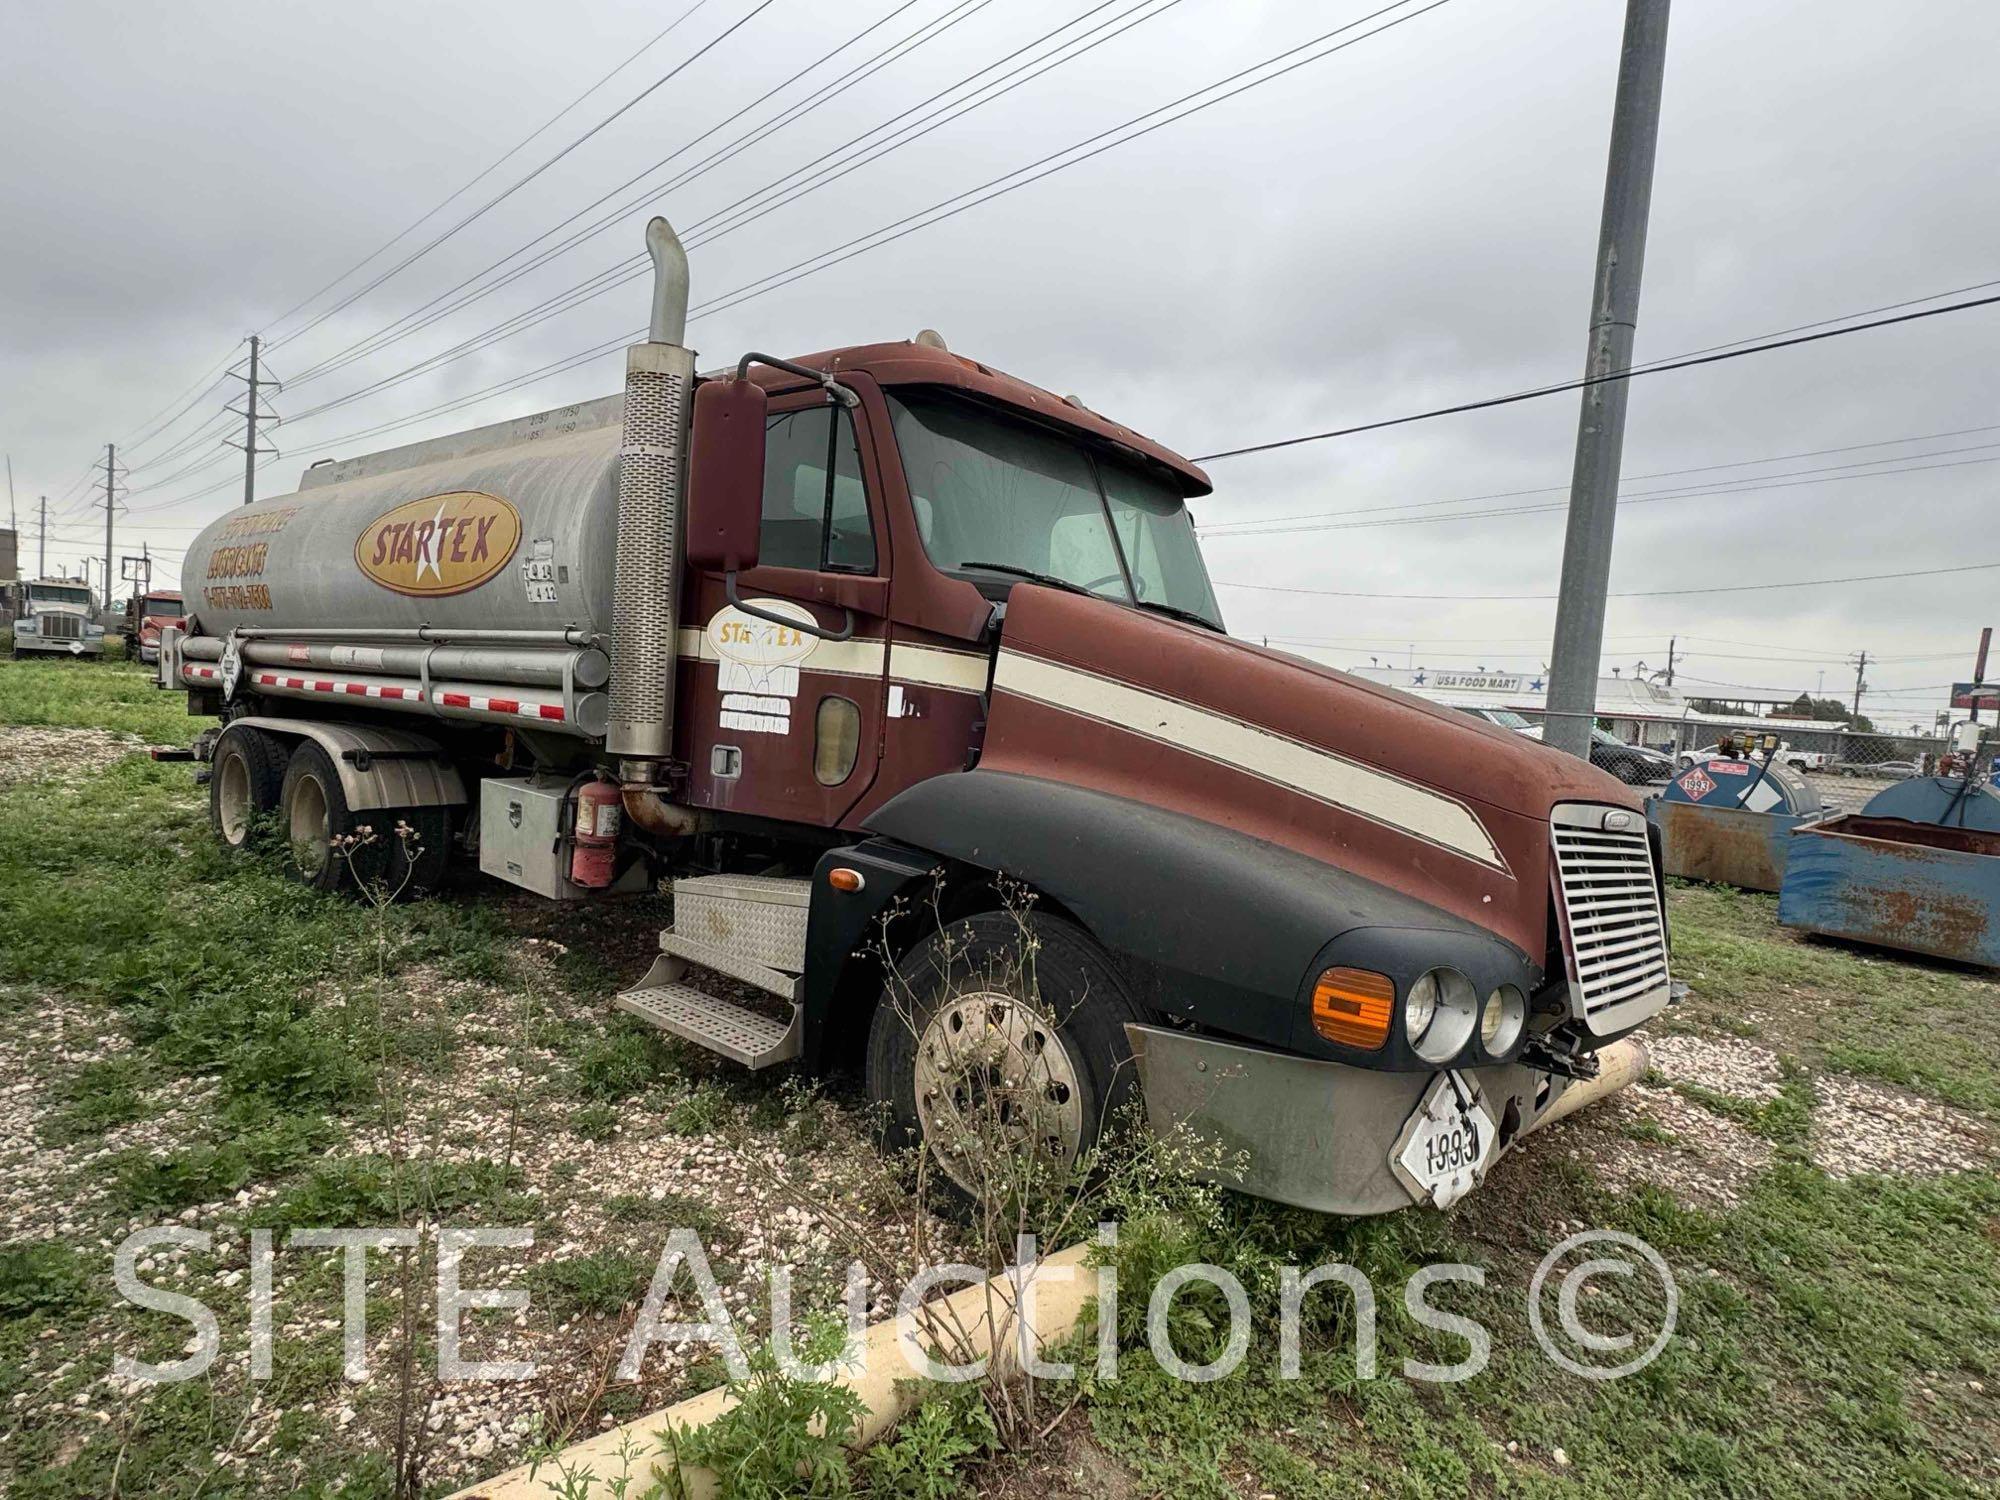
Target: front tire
{"type": "Point", "coordinates": [999, 1047]}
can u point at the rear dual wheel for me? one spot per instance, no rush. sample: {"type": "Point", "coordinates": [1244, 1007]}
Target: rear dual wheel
{"type": "Point", "coordinates": [327, 844]}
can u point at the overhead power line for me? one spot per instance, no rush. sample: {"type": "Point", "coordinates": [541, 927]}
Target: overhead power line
{"type": "Point", "coordinates": [1784, 480]}
{"type": "Point", "coordinates": [1738, 588]}
{"type": "Point", "coordinates": [518, 184]}
{"type": "Point", "coordinates": [788, 187]}
{"type": "Point", "coordinates": [509, 154]}
{"type": "Point", "coordinates": [1577, 385]}
{"type": "Point", "coordinates": [427, 313]}
{"type": "Point", "coordinates": [1218, 527]}
{"type": "Point", "coordinates": [1000, 186]}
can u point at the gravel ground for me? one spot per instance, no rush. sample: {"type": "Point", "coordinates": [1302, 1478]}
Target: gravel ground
{"type": "Point", "coordinates": [38, 754]}
{"type": "Point", "coordinates": [1705, 1159]}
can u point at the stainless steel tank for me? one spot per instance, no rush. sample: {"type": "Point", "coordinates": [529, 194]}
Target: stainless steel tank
{"type": "Point", "coordinates": [507, 527]}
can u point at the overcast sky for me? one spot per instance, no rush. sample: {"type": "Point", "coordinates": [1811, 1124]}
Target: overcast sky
{"type": "Point", "coordinates": [1405, 223]}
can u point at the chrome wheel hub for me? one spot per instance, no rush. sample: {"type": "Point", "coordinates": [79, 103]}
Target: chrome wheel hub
{"type": "Point", "coordinates": [994, 1078]}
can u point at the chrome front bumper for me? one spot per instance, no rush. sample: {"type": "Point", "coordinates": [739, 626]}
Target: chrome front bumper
{"type": "Point", "coordinates": [1321, 1135]}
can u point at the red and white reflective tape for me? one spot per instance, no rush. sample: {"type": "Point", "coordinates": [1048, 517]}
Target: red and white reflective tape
{"type": "Point", "coordinates": [516, 707]}
{"type": "Point", "coordinates": [193, 669]}
{"type": "Point", "coordinates": [334, 685]}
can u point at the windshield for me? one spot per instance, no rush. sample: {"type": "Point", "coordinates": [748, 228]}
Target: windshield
{"type": "Point", "coordinates": [43, 593]}
{"type": "Point", "coordinates": [1506, 718]}
{"type": "Point", "coordinates": [990, 490]}
{"type": "Point", "coordinates": [155, 605]}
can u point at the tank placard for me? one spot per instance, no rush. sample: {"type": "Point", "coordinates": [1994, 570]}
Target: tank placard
{"type": "Point", "coordinates": [442, 544]}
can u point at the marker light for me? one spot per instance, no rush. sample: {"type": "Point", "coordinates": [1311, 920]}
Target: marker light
{"type": "Point", "coordinates": [1352, 1007]}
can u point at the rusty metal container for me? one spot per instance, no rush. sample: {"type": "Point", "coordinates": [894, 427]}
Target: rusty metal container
{"type": "Point", "coordinates": [1918, 869]}
{"type": "Point", "coordinates": [1731, 822]}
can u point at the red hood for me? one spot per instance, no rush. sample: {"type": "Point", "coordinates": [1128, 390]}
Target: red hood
{"type": "Point", "coordinates": [1393, 787]}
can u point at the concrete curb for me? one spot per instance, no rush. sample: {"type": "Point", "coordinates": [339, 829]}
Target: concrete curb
{"type": "Point", "coordinates": [885, 1384]}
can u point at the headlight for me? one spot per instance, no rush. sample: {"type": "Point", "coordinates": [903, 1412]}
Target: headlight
{"type": "Point", "coordinates": [1419, 1006]}
{"type": "Point", "coordinates": [25, 627]}
{"type": "Point", "coordinates": [1500, 1022]}
{"type": "Point", "coordinates": [1439, 1015]}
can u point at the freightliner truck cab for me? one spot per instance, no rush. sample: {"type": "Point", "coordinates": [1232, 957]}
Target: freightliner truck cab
{"type": "Point", "coordinates": [910, 678]}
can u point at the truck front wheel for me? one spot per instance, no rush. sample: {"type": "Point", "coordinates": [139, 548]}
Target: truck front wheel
{"type": "Point", "coordinates": [245, 779]}
{"type": "Point", "coordinates": [999, 1047]}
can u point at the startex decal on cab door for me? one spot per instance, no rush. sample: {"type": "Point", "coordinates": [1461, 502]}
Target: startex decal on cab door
{"type": "Point", "coordinates": [441, 544]}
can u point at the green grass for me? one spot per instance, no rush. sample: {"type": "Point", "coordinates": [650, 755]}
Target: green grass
{"type": "Point", "coordinates": [601, 1283]}
{"type": "Point", "coordinates": [1799, 1367]}
{"type": "Point", "coordinates": [86, 694]}
{"type": "Point", "coordinates": [1929, 1027]}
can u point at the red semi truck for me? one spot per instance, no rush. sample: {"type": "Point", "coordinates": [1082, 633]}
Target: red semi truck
{"type": "Point", "coordinates": [856, 649]}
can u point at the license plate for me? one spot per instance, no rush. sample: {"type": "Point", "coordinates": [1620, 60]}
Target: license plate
{"type": "Point", "coordinates": [1446, 1144]}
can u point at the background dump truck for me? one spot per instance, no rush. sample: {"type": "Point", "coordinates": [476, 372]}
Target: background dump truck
{"type": "Point", "coordinates": [54, 616]}
{"type": "Point", "coordinates": [900, 666]}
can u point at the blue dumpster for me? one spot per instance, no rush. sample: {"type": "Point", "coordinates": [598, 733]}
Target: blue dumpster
{"type": "Point", "coordinates": [1918, 869]}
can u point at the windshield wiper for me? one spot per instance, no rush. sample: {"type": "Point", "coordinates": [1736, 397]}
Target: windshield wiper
{"type": "Point", "coordinates": [1181, 614]}
{"type": "Point", "coordinates": [1031, 575]}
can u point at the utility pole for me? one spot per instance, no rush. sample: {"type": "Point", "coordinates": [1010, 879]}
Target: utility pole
{"type": "Point", "coordinates": [1860, 682]}
{"type": "Point", "coordinates": [1672, 641]}
{"type": "Point", "coordinates": [42, 565]}
{"type": "Point", "coordinates": [252, 414]}
{"type": "Point", "coordinates": [1600, 434]}
{"type": "Point", "coordinates": [110, 509]}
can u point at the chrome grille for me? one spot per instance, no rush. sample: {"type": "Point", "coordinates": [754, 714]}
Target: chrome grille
{"type": "Point", "coordinates": [59, 627]}
{"type": "Point", "coordinates": [1612, 922]}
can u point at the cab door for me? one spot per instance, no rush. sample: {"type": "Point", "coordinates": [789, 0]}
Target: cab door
{"type": "Point", "coordinates": [780, 722]}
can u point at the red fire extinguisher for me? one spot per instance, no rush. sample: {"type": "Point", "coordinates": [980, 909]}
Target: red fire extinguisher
{"type": "Point", "coordinates": [594, 848]}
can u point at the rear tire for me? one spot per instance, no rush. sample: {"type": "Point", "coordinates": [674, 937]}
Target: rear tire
{"type": "Point", "coordinates": [246, 778]}
{"type": "Point", "coordinates": [964, 1006]}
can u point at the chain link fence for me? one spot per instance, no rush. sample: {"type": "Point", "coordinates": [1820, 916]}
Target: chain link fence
{"type": "Point", "coordinates": [1848, 767]}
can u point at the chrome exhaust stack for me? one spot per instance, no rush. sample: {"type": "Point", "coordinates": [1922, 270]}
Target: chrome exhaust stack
{"type": "Point", "coordinates": [652, 480]}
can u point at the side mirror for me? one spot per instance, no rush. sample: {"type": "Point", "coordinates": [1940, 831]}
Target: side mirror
{"type": "Point", "coordinates": [725, 483]}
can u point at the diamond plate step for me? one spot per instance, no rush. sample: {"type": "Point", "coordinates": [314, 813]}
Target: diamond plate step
{"type": "Point", "coordinates": [761, 918]}
{"type": "Point", "coordinates": [742, 1035]}
{"type": "Point", "coordinates": [728, 961]}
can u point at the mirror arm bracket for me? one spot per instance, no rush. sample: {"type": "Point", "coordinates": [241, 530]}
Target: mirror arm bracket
{"type": "Point", "coordinates": [846, 631]}
{"type": "Point", "coordinates": [845, 395]}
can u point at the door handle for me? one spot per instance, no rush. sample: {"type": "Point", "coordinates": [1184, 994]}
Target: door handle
{"type": "Point", "coordinates": [846, 631]}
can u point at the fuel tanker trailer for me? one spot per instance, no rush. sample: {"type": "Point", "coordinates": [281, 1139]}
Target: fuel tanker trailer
{"type": "Point", "coordinates": [901, 672]}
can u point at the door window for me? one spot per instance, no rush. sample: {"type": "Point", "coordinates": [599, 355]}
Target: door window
{"type": "Point", "coordinates": [815, 508]}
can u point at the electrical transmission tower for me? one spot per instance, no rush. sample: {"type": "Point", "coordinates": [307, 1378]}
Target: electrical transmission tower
{"type": "Point", "coordinates": [253, 414]}
{"type": "Point", "coordinates": [113, 472]}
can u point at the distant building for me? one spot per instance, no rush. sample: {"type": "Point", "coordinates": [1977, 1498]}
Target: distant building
{"type": "Point", "coordinates": [1634, 709]}
{"type": "Point", "coordinates": [10, 554]}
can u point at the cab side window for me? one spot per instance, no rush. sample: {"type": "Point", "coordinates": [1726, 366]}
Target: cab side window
{"type": "Point", "coordinates": [815, 507]}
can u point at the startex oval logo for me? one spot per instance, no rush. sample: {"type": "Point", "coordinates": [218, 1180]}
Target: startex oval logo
{"type": "Point", "coordinates": [442, 544]}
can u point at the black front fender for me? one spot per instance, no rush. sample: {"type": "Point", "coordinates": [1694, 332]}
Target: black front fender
{"type": "Point", "coordinates": [1218, 928]}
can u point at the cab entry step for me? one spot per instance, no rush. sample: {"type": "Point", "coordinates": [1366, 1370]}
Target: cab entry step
{"type": "Point", "coordinates": [750, 928]}
{"type": "Point", "coordinates": [735, 1031]}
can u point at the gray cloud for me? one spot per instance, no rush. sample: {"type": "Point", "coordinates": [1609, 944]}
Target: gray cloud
{"type": "Point", "coordinates": [1408, 223]}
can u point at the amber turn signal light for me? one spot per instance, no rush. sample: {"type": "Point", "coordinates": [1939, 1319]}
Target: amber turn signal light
{"type": "Point", "coordinates": [841, 878]}
{"type": "Point", "coordinates": [1353, 1006]}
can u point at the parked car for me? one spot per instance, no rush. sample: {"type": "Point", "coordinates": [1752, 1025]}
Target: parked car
{"type": "Point", "coordinates": [1632, 764]}
{"type": "Point", "coordinates": [1881, 770]}
{"type": "Point", "coordinates": [1798, 760]}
